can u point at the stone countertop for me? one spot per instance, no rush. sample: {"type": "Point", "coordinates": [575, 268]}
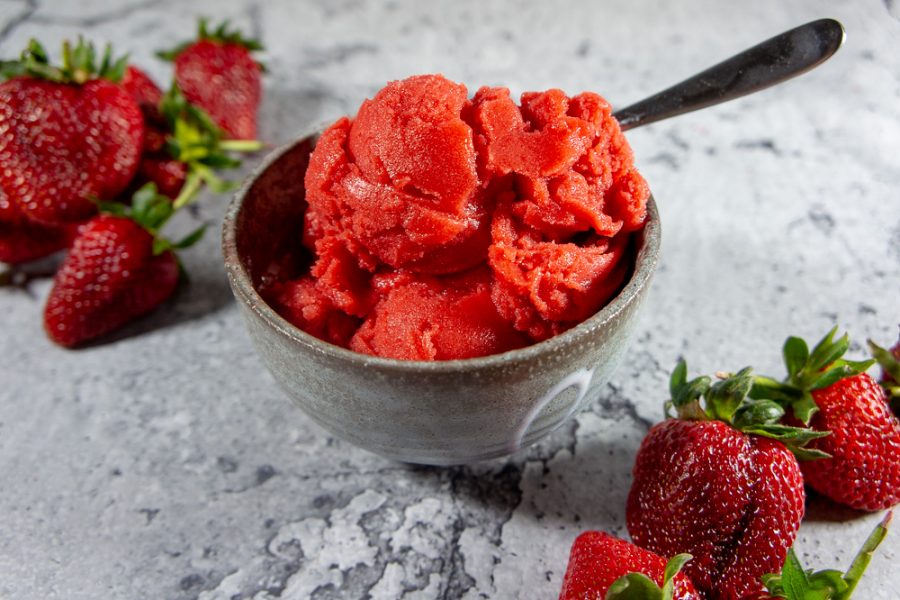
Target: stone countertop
{"type": "Point", "coordinates": [165, 463]}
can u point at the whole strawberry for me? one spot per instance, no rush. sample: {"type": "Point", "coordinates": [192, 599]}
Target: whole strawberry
{"type": "Point", "coordinates": [22, 240]}
{"type": "Point", "coordinates": [217, 73]}
{"type": "Point", "coordinates": [68, 135]}
{"type": "Point", "coordinates": [832, 394]}
{"type": "Point", "coordinates": [604, 567]}
{"type": "Point", "coordinates": [117, 270]}
{"type": "Point", "coordinates": [714, 484]}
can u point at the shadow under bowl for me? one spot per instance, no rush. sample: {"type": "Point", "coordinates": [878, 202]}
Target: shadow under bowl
{"type": "Point", "coordinates": [438, 413]}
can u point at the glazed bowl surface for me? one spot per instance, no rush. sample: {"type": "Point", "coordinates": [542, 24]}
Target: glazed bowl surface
{"type": "Point", "coordinates": [441, 412]}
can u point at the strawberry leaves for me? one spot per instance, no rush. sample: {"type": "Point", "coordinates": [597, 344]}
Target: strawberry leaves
{"type": "Point", "coordinates": [730, 399]}
{"type": "Point", "coordinates": [198, 142]}
{"type": "Point", "coordinates": [797, 583]}
{"type": "Point", "coordinates": [637, 586]}
{"type": "Point", "coordinates": [152, 210]}
{"type": "Point", "coordinates": [223, 34]}
{"type": "Point", "coordinates": [686, 394]}
{"type": "Point", "coordinates": [727, 395]}
{"type": "Point", "coordinates": [79, 64]}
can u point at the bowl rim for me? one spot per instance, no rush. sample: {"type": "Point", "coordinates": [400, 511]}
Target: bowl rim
{"type": "Point", "coordinates": [242, 285]}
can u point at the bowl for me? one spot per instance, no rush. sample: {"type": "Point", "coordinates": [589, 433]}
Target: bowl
{"type": "Point", "coordinates": [438, 413]}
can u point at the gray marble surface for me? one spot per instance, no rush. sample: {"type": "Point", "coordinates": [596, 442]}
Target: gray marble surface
{"type": "Point", "coordinates": [165, 463]}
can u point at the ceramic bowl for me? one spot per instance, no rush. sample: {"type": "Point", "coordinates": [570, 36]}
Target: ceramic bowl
{"type": "Point", "coordinates": [439, 413]}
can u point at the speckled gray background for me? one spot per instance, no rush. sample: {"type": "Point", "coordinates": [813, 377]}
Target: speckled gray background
{"type": "Point", "coordinates": [166, 464]}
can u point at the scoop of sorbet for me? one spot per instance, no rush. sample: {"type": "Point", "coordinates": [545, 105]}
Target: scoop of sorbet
{"type": "Point", "coordinates": [446, 227]}
{"type": "Point", "coordinates": [421, 317]}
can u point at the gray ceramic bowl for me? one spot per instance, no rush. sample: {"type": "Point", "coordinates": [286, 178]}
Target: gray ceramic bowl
{"type": "Point", "coordinates": [439, 413]}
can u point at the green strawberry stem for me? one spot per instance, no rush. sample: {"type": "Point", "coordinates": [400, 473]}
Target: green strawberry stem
{"type": "Point", "coordinates": [864, 557]}
{"type": "Point", "coordinates": [188, 193]}
{"type": "Point", "coordinates": [151, 210]}
{"type": "Point", "coordinates": [808, 371]}
{"type": "Point", "coordinates": [241, 145]}
{"type": "Point", "coordinates": [796, 583]}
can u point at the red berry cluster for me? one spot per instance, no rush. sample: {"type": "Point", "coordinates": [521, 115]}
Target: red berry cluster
{"type": "Point", "coordinates": [96, 159]}
{"type": "Point", "coordinates": [720, 485]}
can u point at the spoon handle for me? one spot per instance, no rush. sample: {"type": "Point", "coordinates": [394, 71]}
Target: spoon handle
{"type": "Point", "coordinates": [773, 61]}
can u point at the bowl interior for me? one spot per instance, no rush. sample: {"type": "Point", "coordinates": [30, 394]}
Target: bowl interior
{"type": "Point", "coordinates": [269, 223]}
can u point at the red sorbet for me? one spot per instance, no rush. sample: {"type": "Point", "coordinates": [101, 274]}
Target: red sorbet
{"type": "Point", "coordinates": [452, 227]}
{"type": "Point", "coordinates": [423, 317]}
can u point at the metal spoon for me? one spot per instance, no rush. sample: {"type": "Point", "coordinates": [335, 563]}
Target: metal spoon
{"type": "Point", "coordinates": [773, 61]}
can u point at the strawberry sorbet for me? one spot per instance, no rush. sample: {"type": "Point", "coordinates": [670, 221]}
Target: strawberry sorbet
{"type": "Point", "coordinates": [445, 227]}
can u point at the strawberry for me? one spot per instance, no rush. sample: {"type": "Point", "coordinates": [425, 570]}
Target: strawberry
{"type": "Point", "coordinates": [796, 583]}
{"type": "Point", "coordinates": [717, 483]}
{"type": "Point", "coordinates": [22, 240]}
{"type": "Point", "coordinates": [217, 73]}
{"type": "Point", "coordinates": [602, 566]}
{"type": "Point", "coordinates": [830, 393]}
{"type": "Point", "coordinates": [890, 371]}
{"type": "Point", "coordinates": [117, 270]}
{"type": "Point", "coordinates": [70, 134]}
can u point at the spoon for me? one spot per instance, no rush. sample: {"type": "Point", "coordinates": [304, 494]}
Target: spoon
{"type": "Point", "coordinates": [773, 61]}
